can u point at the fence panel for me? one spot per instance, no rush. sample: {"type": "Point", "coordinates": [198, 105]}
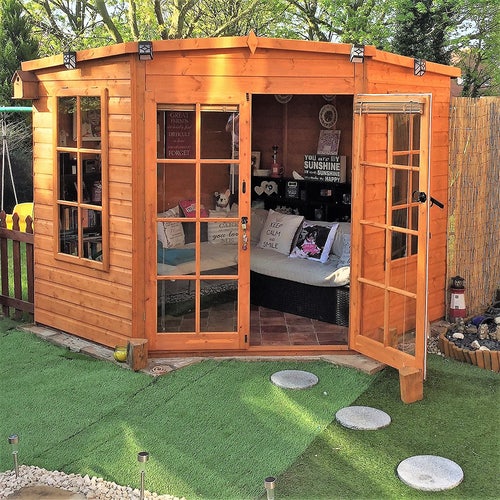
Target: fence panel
{"type": "Point", "coordinates": [474, 194]}
{"type": "Point", "coordinates": [16, 268]}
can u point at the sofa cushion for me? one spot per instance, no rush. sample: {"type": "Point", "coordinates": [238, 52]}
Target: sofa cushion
{"type": "Point", "coordinates": [338, 241]}
{"type": "Point", "coordinates": [225, 233]}
{"type": "Point", "coordinates": [314, 241]}
{"type": "Point", "coordinates": [279, 232]}
{"type": "Point", "coordinates": [171, 234]}
{"type": "Point", "coordinates": [309, 272]}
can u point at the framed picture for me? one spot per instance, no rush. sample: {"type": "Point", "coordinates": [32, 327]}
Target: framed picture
{"type": "Point", "coordinates": [91, 125]}
{"type": "Point", "coordinates": [255, 160]}
{"type": "Point", "coordinates": [328, 143]}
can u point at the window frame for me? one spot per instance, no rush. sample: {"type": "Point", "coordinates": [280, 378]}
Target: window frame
{"type": "Point", "coordinates": [79, 150]}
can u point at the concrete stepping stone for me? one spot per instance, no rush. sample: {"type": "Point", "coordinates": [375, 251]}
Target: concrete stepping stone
{"type": "Point", "coordinates": [362, 418]}
{"type": "Point", "coordinates": [430, 473]}
{"type": "Point", "coordinates": [294, 379]}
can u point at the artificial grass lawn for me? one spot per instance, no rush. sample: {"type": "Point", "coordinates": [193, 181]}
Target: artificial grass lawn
{"type": "Point", "coordinates": [457, 419]}
{"type": "Point", "coordinates": [213, 430]}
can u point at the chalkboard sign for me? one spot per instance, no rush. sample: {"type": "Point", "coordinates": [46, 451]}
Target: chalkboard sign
{"type": "Point", "coordinates": [180, 134]}
{"type": "Point", "coordinates": [325, 168]}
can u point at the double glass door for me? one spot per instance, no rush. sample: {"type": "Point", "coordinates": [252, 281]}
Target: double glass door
{"type": "Point", "coordinates": [202, 254]}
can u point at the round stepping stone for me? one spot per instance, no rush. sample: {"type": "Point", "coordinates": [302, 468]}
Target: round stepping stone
{"type": "Point", "coordinates": [294, 379]}
{"type": "Point", "coordinates": [362, 418]}
{"type": "Point", "coordinates": [430, 473]}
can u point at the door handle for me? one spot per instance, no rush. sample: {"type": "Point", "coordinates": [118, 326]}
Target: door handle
{"type": "Point", "coordinates": [421, 197]}
{"type": "Point", "coordinates": [244, 237]}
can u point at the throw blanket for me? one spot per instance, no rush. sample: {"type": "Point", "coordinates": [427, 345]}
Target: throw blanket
{"type": "Point", "coordinates": [174, 256]}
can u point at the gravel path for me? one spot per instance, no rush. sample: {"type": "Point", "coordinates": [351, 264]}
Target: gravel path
{"type": "Point", "coordinates": [87, 487]}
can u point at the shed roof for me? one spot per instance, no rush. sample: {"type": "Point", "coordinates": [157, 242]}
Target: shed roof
{"type": "Point", "coordinates": [250, 42]}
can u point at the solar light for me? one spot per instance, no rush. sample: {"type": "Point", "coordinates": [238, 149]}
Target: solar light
{"type": "Point", "coordinates": [145, 51]}
{"type": "Point", "coordinates": [142, 458]}
{"type": "Point", "coordinates": [269, 483]}
{"type": "Point", "coordinates": [357, 54]}
{"type": "Point", "coordinates": [419, 67]}
{"type": "Point", "coordinates": [14, 443]}
{"type": "Point", "coordinates": [69, 59]}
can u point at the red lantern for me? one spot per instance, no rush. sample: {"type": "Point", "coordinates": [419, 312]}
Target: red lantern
{"type": "Point", "coordinates": [457, 299]}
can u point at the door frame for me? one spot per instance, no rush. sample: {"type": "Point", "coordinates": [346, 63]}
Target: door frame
{"type": "Point", "coordinates": [411, 367]}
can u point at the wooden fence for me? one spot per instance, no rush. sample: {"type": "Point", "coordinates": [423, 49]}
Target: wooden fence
{"type": "Point", "coordinates": [474, 199]}
{"type": "Point", "coordinates": [16, 268]}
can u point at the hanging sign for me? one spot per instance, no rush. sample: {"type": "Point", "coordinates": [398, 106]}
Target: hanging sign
{"type": "Point", "coordinates": [180, 134]}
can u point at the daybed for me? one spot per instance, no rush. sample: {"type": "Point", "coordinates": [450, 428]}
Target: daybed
{"type": "Point", "coordinates": [283, 276]}
{"type": "Point", "coordinates": [315, 287]}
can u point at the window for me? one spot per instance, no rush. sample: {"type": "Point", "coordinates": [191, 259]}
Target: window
{"type": "Point", "coordinates": [81, 187]}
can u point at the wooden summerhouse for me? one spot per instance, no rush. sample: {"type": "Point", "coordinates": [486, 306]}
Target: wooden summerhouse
{"type": "Point", "coordinates": [176, 183]}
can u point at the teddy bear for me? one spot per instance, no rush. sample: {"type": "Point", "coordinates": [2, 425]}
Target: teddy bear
{"type": "Point", "coordinates": [222, 201]}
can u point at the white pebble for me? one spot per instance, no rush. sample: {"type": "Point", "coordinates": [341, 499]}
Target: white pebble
{"type": "Point", "coordinates": [458, 335]}
{"type": "Point", "coordinates": [483, 348]}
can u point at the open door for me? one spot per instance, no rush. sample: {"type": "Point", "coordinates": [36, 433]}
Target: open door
{"type": "Point", "coordinates": [198, 174]}
{"type": "Point", "coordinates": [390, 234]}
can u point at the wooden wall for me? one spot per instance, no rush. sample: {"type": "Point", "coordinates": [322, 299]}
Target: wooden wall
{"type": "Point", "coordinates": [90, 303]}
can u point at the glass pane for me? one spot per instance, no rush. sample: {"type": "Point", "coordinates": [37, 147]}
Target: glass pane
{"type": "Point", "coordinates": [402, 322]}
{"type": "Point", "coordinates": [372, 321]}
{"type": "Point", "coordinates": [220, 134]}
{"type": "Point", "coordinates": [176, 250]}
{"type": "Point", "coordinates": [68, 230]}
{"type": "Point", "coordinates": [176, 305]}
{"type": "Point", "coordinates": [91, 179]}
{"type": "Point", "coordinates": [401, 139]}
{"type": "Point", "coordinates": [416, 132]}
{"type": "Point", "coordinates": [403, 275]}
{"type": "Point", "coordinates": [90, 121]}
{"type": "Point", "coordinates": [401, 159]}
{"type": "Point", "coordinates": [66, 107]}
{"type": "Point", "coordinates": [92, 234]}
{"type": "Point", "coordinates": [176, 184]}
{"type": "Point", "coordinates": [219, 306]}
{"type": "Point", "coordinates": [219, 254]}
{"type": "Point", "coordinates": [68, 186]}
{"type": "Point", "coordinates": [373, 248]}
{"type": "Point", "coordinates": [400, 187]}
{"type": "Point", "coordinates": [218, 187]}
{"type": "Point", "coordinates": [400, 217]}
{"type": "Point", "coordinates": [374, 208]}
{"type": "Point", "coordinates": [176, 134]}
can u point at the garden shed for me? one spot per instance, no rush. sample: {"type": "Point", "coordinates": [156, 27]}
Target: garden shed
{"type": "Point", "coordinates": [186, 189]}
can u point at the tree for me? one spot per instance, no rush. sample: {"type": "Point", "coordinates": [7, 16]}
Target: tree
{"type": "Point", "coordinates": [16, 44]}
{"type": "Point", "coordinates": [422, 28]}
{"type": "Point", "coordinates": [477, 49]}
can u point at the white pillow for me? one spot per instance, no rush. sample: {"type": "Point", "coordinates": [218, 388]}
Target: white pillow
{"type": "Point", "coordinates": [315, 241]}
{"type": "Point", "coordinates": [259, 217]}
{"type": "Point", "coordinates": [338, 242]}
{"type": "Point", "coordinates": [171, 234]}
{"type": "Point", "coordinates": [345, 258]}
{"type": "Point", "coordinates": [340, 276]}
{"type": "Point", "coordinates": [279, 231]}
{"type": "Point", "coordinates": [225, 233]}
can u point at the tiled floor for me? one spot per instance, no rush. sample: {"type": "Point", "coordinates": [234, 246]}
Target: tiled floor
{"type": "Point", "coordinates": [270, 327]}
{"type": "Point", "coordinates": [267, 326]}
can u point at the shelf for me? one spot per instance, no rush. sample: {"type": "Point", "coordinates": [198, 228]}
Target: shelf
{"type": "Point", "coordinates": [315, 200]}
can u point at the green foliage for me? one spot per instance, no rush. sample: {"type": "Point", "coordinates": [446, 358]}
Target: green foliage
{"type": "Point", "coordinates": [422, 29]}
{"type": "Point", "coordinates": [16, 45]}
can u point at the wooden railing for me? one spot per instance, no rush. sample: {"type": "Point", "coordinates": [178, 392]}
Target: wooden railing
{"type": "Point", "coordinates": [16, 268]}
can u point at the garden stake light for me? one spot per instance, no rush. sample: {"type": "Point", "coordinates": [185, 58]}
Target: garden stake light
{"type": "Point", "coordinates": [14, 443]}
{"type": "Point", "coordinates": [142, 458]}
{"type": "Point", "coordinates": [269, 483]}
